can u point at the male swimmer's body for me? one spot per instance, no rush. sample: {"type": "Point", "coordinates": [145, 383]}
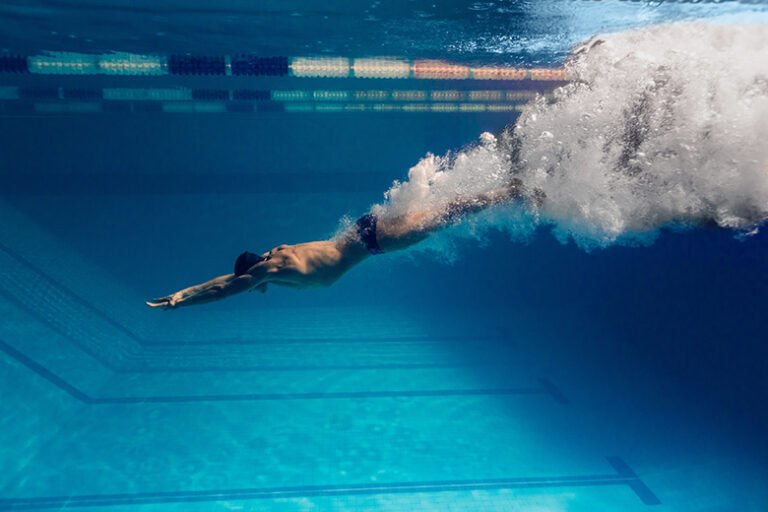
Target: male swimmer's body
{"type": "Point", "coordinates": [321, 263]}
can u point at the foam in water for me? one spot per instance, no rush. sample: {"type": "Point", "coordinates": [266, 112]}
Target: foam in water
{"type": "Point", "coordinates": [661, 127]}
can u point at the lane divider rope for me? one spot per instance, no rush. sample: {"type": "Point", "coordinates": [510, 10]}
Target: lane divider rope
{"type": "Point", "coordinates": [18, 108]}
{"type": "Point", "coordinates": [189, 94]}
{"type": "Point", "coordinates": [130, 64]}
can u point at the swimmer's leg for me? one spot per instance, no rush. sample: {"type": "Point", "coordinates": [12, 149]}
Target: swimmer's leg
{"type": "Point", "coordinates": [460, 207]}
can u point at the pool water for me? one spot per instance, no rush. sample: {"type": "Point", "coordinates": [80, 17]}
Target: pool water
{"type": "Point", "coordinates": [482, 372]}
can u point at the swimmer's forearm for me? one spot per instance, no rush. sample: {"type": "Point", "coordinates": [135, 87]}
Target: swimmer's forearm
{"type": "Point", "coordinates": [215, 289]}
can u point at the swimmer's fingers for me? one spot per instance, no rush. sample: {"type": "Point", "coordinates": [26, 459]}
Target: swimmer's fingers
{"type": "Point", "coordinates": [166, 302]}
{"type": "Point", "coordinates": [157, 303]}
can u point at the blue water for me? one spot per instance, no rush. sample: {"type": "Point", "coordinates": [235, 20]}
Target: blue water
{"type": "Point", "coordinates": [507, 375]}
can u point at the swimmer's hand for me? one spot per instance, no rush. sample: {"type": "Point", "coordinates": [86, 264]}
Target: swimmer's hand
{"type": "Point", "coordinates": [167, 302]}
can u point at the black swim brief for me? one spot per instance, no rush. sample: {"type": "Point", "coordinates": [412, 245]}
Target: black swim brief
{"type": "Point", "coordinates": [366, 230]}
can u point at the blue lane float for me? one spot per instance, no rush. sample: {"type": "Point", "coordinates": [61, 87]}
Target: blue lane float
{"type": "Point", "coordinates": [211, 106]}
{"type": "Point", "coordinates": [39, 93]}
{"type": "Point", "coordinates": [287, 96]}
{"type": "Point", "coordinates": [251, 95]}
{"type": "Point", "coordinates": [210, 94]}
{"type": "Point", "coordinates": [82, 94]}
{"type": "Point", "coordinates": [240, 107]}
{"type": "Point", "coordinates": [194, 100]}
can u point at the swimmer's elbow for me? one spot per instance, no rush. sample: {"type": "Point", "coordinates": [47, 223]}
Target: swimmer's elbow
{"type": "Point", "coordinates": [237, 285]}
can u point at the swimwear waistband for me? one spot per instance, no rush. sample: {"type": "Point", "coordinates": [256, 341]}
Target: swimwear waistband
{"type": "Point", "coordinates": [366, 230]}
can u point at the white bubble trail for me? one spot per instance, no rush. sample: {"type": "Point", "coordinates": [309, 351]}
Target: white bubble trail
{"type": "Point", "coordinates": [661, 127]}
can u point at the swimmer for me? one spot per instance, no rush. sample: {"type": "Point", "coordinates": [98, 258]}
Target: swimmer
{"type": "Point", "coordinates": [321, 263]}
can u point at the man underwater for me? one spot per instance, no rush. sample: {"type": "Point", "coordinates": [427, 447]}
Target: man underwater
{"type": "Point", "coordinates": [321, 263]}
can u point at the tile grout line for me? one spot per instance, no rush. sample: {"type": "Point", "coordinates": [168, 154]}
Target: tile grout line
{"type": "Point", "coordinates": [624, 476]}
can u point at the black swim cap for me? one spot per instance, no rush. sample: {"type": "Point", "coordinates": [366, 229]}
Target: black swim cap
{"type": "Point", "coordinates": [245, 261]}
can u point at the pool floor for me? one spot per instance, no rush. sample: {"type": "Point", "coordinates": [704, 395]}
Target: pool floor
{"type": "Point", "coordinates": [108, 406]}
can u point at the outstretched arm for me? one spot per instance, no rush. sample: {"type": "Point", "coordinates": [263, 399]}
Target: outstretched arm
{"type": "Point", "coordinates": [215, 289]}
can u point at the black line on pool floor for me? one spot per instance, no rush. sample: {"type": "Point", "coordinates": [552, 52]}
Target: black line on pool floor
{"type": "Point", "coordinates": [44, 372]}
{"type": "Point", "coordinates": [298, 368]}
{"type": "Point", "coordinates": [637, 485]}
{"type": "Point", "coordinates": [83, 397]}
{"type": "Point", "coordinates": [321, 341]}
{"type": "Point", "coordinates": [256, 397]}
{"type": "Point", "coordinates": [554, 391]}
{"type": "Point", "coordinates": [623, 476]}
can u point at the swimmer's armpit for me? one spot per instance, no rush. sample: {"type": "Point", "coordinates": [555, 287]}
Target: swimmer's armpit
{"type": "Point", "coordinates": [259, 288]}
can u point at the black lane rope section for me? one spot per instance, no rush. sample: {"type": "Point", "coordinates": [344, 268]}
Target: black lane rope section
{"type": "Point", "coordinates": [196, 65]}
{"type": "Point", "coordinates": [13, 64]}
{"type": "Point", "coordinates": [251, 65]}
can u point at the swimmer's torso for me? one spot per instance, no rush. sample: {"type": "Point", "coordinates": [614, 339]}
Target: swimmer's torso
{"type": "Point", "coordinates": [309, 264]}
